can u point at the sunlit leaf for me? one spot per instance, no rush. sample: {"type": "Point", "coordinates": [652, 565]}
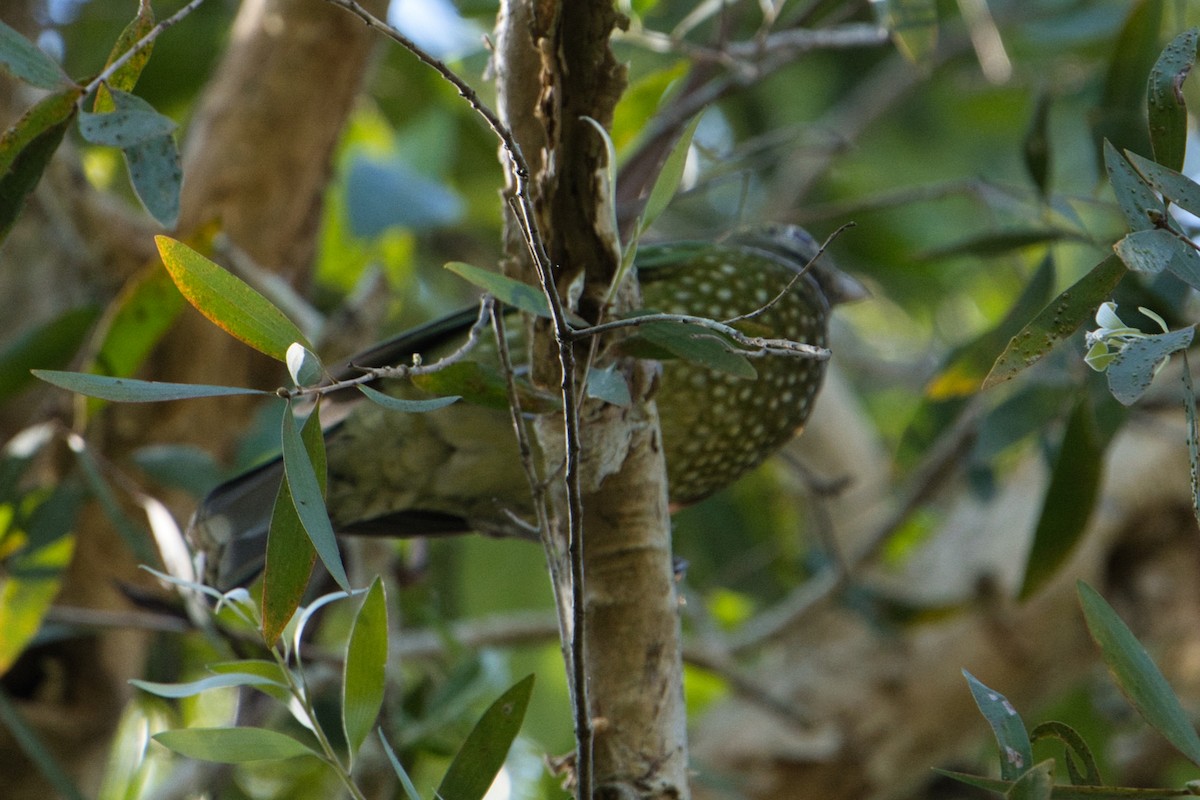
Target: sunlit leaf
{"type": "Point", "coordinates": [483, 753]}
{"type": "Point", "coordinates": [1069, 500]}
{"type": "Point", "coordinates": [1165, 102]}
{"type": "Point", "coordinates": [1057, 321]}
{"type": "Point", "coordinates": [365, 670]}
{"type": "Point", "coordinates": [233, 745]}
{"type": "Point", "coordinates": [34, 576]}
{"type": "Point", "coordinates": [303, 365]}
{"type": "Point", "coordinates": [505, 289]}
{"type": "Point", "coordinates": [1016, 753]}
{"type": "Point", "coordinates": [308, 495]}
{"type": "Point", "coordinates": [23, 59]}
{"type": "Point", "coordinates": [228, 301]}
{"type": "Point", "coordinates": [1136, 674]}
{"type": "Point", "coordinates": [126, 76]}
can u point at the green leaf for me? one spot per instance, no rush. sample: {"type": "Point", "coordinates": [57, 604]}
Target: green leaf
{"type": "Point", "coordinates": [288, 565]}
{"type": "Point", "coordinates": [1016, 753]}
{"type": "Point", "coordinates": [193, 688]}
{"type": "Point", "coordinates": [398, 768]}
{"type": "Point", "coordinates": [1119, 116]}
{"type": "Point", "coordinates": [404, 404]}
{"type": "Point", "coordinates": [1036, 146]}
{"type": "Point", "coordinates": [51, 344]}
{"type": "Point", "coordinates": [24, 60]}
{"type": "Point", "coordinates": [1174, 186]}
{"type": "Point", "coordinates": [1193, 434]}
{"type": "Point", "coordinates": [1133, 369]}
{"type": "Point", "coordinates": [1138, 202]}
{"type": "Point", "coordinates": [1165, 102]}
{"type": "Point", "coordinates": [229, 302]}
{"type": "Point", "coordinates": [483, 385]}
{"type": "Point", "coordinates": [505, 289]}
{"type": "Point", "coordinates": [23, 734]}
{"type": "Point", "coordinates": [124, 128]}
{"type": "Point", "coordinates": [1075, 745]}
{"type": "Point", "coordinates": [989, 245]}
{"type": "Point", "coordinates": [33, 579]}
{"type": "Point", "coordinates": [609, 385]}
{"type": "Point", "coordinates": [913, 25]}
{"type": "Point", "coordinates": [1136, 674]}
{"type": "Point", "coordinates": [274, 682]}
{"type": "Point", "coordinates": [1070, 498]}
{"type": "Point", "coordinates": [1037, 783]}
{"type": "Point", "coordinates": [667, 182]}
{"type": "Point", "coordinates": [128, 390]}
{"type": "Point", "coordinates": [1057, 321]}
{"type": "Point", "coordinates": [233, 745]}
{"type": "Point", "coordinates": [126, 76]}
{"type": "Point", "coordinates": [26, 149]}
{"type": "Point", "coordinates": [308, 495]}
{"type": "Point", "coordinates": [153, 164]}
{"type": "Point", "coordinates": [694, 344]}
{"type": "Point", "coordinates": [365, 673]}
{"type": "Point", "coordinates": [483, 753]}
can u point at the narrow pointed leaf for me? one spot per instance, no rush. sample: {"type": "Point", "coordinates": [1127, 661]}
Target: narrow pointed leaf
{"type": "Point", "coordinates": [308, 497]}
{"type": "Point", "coordinates": [483, 753]}
{"type": "Point", "coordinates": [289, 563]}
{"type": "Point", "coordinates": [1136, 199]}
{"type": "Point", "coordinates": [409, 789]}
{"type": "Point", "coordinates": [153, 164]}
{"type": "Point", "coordinates": [128, 390]}
{"type": "Point", "coordinates": [696, 345]}
{"type": "Point", "coordinates": [667, 182]}
{"type": "Point", "coordinates": [233, 745]}
{"type": "Point", "coordinates": [33, 580]}
{"type": "Point", "coordinates": [1076, 746]}
{"type": "Point", "coordinates": [505, 289]}
{"type": "Point", "coordinates": [193, 688]}
{"type": "Point", "coordinates": [1164, 99]}
{"type": "Point", "coordinates": [1036, 147]}
{"type": "Point", "coordinates": [228, 301]}
{"type": "Point", "coordinates": [1016, 753]}
{"type": "Point", "coordinates": [365, 674]}
{"type": "Point", "coordinates": [23, 59]}
{"type": "Point", "coordinates": [1070, 498]}
{"type": "Point", "coordinates": [126, 76]}
{"type": "Point", "coordinates": [26, 149]}
{"type": "Point", "coordinates": [404, 404]}
{"type": "Point", "coordinates": [1057, 321]}
{"type": "Point", "coordinates": [1176, 187]}
{"type": "Point", "coordinates": [1136, 674]}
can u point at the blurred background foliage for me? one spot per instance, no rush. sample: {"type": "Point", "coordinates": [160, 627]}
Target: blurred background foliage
{"type": "Point", "coordinates": [962, 180]}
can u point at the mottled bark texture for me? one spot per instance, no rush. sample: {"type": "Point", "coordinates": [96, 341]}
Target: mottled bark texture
{"type": "Point", "coordinates": [631, 631]}
{"type": "Point", "coordinates": [257, 159]}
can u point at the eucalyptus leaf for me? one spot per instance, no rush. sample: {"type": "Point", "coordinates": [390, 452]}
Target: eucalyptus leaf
{"type": "Point", "coordinates": [1176, 187]}
{"type": "Point", "coordinates": [1133, 369]}
{"type": "Point", "coordinates": [124, 128]}
{"type": "Point", "coordinates": [483, 753]}
{"type": "Point", "coordinates": [193, 688]}
{"type": "Point", "coordinates": [1167, 110]}
{"type": "Point", "coordinates": [23, 59]}
{"type": "Point", "coordinates": [308, 498]}
{"type": "Point", "coordinates": [1136, 674]}
{"type": "Point", "coordinates": [233, 745]}
{"type": "Point", "coordinates": [505, 289]}
{"type": "Point", "coordinates": [364, 673]}
{"type": "Point", "coordinates": [129, 390]}
{"type": "Point", "coordinates": [1137, 201]}
{"type": "Point", "coordinates": [1016, 752]}
{"type": "Point", "coordinates": [406, 405]}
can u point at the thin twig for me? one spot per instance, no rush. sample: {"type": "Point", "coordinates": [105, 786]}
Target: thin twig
{"type": "Point", "coordinates": [759, 347]}
{"type": "Point", "coordinates": [527, 221]}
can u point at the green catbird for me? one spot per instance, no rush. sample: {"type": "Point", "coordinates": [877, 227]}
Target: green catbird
{"type": "Point", "coordinates": [457, 469]}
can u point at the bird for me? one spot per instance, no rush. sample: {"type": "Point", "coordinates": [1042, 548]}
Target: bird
{"type": "Point", "coordinates": [458, 469]}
